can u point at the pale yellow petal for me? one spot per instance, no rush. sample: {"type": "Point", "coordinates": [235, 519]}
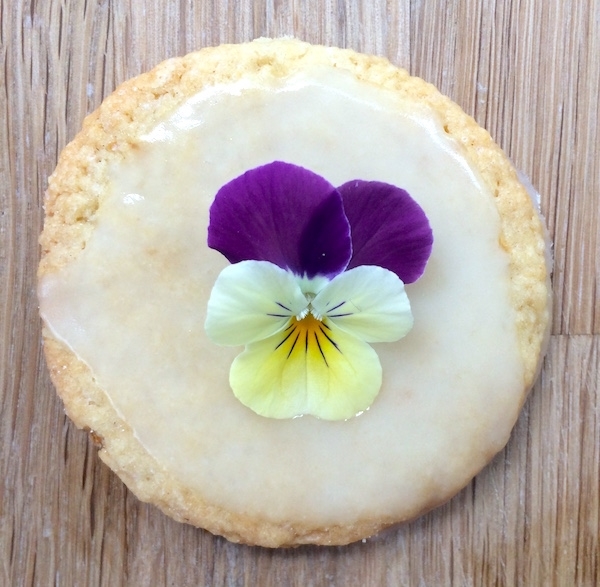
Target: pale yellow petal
{"type": "Point", "coordinates": [311, 367]}
{"type": "Point", "coordinates": [251, 300]}
{"type": "Point", "coordinates": [368, 302]}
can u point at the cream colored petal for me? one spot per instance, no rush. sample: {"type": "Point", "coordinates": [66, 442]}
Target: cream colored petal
{"type": "Point", "coordinates": [251, 300]}
{"type": "Point", "coordinates": [368, 302]}
{"type": "Point", "coordinates": [311, 367]}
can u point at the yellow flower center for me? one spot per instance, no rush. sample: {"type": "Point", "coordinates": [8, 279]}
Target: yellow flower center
{"type": "Point", "coordinates": [308, 335]}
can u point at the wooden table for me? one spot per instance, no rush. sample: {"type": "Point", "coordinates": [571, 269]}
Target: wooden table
{"type": "Point", "coordinates": [527, 70]}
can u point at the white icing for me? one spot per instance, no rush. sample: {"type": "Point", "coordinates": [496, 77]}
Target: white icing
{"type": "Point", "coordinates": [133, 304]}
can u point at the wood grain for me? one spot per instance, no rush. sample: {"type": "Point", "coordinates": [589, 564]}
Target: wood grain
{"type": "Point", "coordinates": [529, 71]}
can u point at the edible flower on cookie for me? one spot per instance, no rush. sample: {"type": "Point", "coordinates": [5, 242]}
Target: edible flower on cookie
{"type": "Point", "coordinates": [317, 275]}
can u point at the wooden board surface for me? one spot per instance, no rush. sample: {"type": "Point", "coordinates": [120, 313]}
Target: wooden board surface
{"type": "Point", "coordinates": [527, 70]}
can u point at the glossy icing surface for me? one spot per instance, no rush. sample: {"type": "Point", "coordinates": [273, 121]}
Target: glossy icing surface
{"type": "Point", "coordinates": [132, 306]}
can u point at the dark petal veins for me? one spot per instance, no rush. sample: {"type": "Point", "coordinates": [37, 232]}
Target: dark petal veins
{"type": "Point", "coordinates": [328, 337]}
{"type": "Point", "coordinates": [284, 214]}
{"type": "Point", "coordinates": [320, 348]}
{"type": "Point", "coordinates": [389, 228]}
{"type": "Point", "coordinates": [291, 331]}
{"type": "Point", "coordinates": [293, 344]}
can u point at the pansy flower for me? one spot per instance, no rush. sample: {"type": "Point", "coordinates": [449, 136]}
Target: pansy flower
{"type": "Point", "coordinates": [317, 275]}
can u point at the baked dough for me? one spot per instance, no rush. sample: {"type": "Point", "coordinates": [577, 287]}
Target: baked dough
{"type": "Point", "coordinates": [248, 478]}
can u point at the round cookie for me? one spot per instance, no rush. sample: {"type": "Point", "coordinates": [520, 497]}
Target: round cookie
{"type": "Point", "coordinates": [125, 274]}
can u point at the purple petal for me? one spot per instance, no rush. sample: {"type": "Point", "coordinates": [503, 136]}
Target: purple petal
{"type": "Point", "coordinates": [389, 228]}
{"type": "Point", "coordinates": [284, 214]}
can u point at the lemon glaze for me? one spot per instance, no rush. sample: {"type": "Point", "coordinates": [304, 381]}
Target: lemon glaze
{"type": "Point", "coordinates": [132, 306]}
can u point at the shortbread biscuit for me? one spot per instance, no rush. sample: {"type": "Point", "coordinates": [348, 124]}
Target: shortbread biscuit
{"type": "Point", "coordinates": [125, 274]}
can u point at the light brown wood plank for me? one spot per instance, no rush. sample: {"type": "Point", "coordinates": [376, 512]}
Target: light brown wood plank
{"type": "Point", "coordinates": [529, 72]}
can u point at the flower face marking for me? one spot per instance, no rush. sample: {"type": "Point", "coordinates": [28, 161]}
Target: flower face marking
{"type": "Point", "coordinates": [304, 319]}
{"type": "Point", "coordinates": [309, 336]}
{"type": "Point", "coordinates": [311, 361]}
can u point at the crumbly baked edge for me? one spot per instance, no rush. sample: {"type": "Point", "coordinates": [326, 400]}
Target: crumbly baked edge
{"type": "Point", "coordinates": [76, 189]}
